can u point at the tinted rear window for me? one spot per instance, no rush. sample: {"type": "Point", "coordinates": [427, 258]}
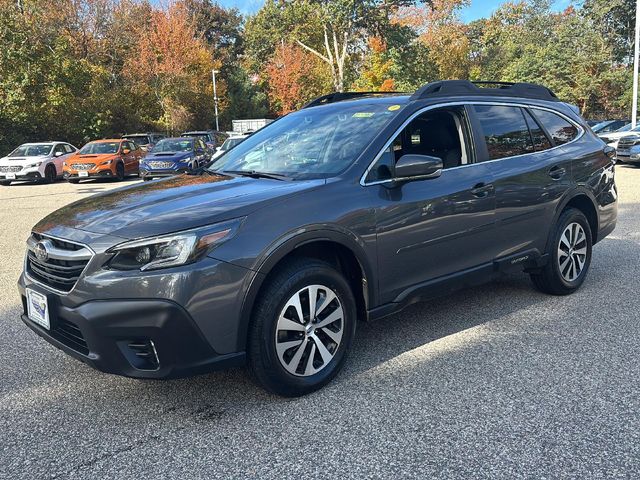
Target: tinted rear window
{"type": "Point", "coordinates": [505, 130]}
{"type": "Point", "coordinates": [560, 130]}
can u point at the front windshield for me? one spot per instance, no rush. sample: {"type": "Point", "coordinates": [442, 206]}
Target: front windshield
{"type": "Point", "coordinates": [31, 150]}
{"type": "Point", "coordinates": [317, 142]}
{"type": "Point", "coordinates": [173, 145]}
{"type": "Point", "coordinates": [100, 148]}
{"type": "Point", "coordinates": [230, 143]}
{"type": "Point", "coordinates": [599, 126]}
{"type": "Point", "coordinates": [626, 128]}
{"type": "Point", "coordinates": [138, 139]}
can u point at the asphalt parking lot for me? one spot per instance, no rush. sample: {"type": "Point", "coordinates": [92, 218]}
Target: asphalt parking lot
{"type": "Point", "coordinates": [495, 382]}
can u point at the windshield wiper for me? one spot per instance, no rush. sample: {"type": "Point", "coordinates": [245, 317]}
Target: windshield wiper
{"type": "Point", "coordinates": [256, 174]}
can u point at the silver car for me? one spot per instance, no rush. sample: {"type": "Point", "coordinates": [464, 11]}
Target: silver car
{"type": "Point", "coordinates": [628, 150]}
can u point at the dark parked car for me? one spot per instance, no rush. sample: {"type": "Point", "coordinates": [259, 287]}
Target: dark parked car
{"type": "Point", "coordinates": [207, 136]}
{"type": "Point", "coordinates": [349, 209]}
{"type": "Point", "coordinates": [146, 141]}
{"type": "Point", "coordinates": [172, 156]}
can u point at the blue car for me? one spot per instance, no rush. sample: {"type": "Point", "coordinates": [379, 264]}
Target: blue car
{"type": "Point", "coordinates": [173, 156]}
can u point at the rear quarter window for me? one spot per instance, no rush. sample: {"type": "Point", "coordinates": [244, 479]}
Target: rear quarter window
{"type": "Point", "coordinates": [560, 130]}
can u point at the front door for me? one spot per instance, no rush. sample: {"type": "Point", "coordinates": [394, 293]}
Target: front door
{"type": "Point", "coordinates": [430, 228]}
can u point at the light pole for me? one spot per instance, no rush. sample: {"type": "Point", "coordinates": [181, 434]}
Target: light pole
{"type": "Point", "coordinates": [215, 96]}
{"type": "Point", "coordinates": [634, 110]}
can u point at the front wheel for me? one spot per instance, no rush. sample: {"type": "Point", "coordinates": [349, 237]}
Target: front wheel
{"type": "Point", "coordinates": [120, 172]}
{"type": "Point", "coordinates": [569, 255]}
{"type": "Point", "coordinates": [50, 174]}
{"type": "Point", "coordinates": [5, 183]}
{"type": "Point", "coordinates": [302, 328]}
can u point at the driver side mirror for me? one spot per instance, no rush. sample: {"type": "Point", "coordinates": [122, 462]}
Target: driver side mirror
{"type": "Point", "coordinates": [126, 151]}
{"type": "Point", "coordinates": [58, 154]}
{"type": "Point", "coordinates": [417, 167]}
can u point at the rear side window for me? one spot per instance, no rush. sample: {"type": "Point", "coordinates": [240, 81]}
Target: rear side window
{"type": "Point", "coordinates": [560, 130]}
{"type": "Point", "coordinates": [505, 130]}
{"type": "Point", "coordinates": [68, 148]}
{"type": "Point", "coordinates": [540, 140]}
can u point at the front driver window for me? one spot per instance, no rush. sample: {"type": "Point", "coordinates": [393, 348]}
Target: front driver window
{"type": "Point", "coordinates": [437, 133]}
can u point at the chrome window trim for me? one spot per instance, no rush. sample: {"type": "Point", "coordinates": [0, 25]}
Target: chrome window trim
{"type": "Point", "coordinates": [581, 132]}
{"type": "Point", "coordinates": [47, 287]}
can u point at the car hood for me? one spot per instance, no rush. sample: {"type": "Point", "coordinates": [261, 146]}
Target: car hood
{"type": "Point", "coordinates": [177, 203]}
{"type": "Point", "coordinates": [92, 158]}
{"type": "Point", "coordinates": [22, 160]}
{"type": "Point", "coordinates": [167, 156]}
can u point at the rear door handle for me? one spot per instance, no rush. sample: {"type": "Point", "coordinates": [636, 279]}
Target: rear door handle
{"type": "Point", "coordinates": [557, 172]}
{"type": "Point", "coordinates": [482, 189]}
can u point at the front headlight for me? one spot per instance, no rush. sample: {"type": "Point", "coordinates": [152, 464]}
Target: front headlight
{"type": "Point", "coordinates": [108, 162]}
{"type": "Point", "coordinates": [33, 165]}
{"type": "Point", "coordinates": [171, 250]}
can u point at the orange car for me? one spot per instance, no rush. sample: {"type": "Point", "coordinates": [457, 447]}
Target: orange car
{"type": "Point", "coordinates": [114, 158]}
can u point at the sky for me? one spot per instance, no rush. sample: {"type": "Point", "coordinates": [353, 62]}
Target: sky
{"type": "Point", "coordinates": [477, 9]}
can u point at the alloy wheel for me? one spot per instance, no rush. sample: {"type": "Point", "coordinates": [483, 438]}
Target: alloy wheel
{"type": "Point", "coordinates": [572, 251]}
{"type": "Point", "coordinates": [309, 330]}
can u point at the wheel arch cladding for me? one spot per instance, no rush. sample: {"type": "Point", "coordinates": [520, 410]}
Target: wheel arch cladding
{"type": "Point", "coordinates": [335, 253]}
{"type": "Point", "coordinates": [583, 203]}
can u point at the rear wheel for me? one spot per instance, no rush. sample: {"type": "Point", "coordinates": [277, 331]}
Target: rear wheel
{"type": "Point", "coordinates": [120, 172]}
{"type": "Point", "coordinates": [302, 328]}
{"type": "Point", "coordinates": [569, 255]}
{"type": "Point", "coordinates": [5, 183]}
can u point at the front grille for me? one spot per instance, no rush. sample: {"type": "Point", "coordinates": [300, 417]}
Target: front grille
{"type": "Point", "coordinates": [70, 335]}
{"type": "Point", "coordinates": [158, 164]}
{"type": "Point", "coordinates": [83, 166]}
{"type": "Point", "coordinates": [628, 141]}
{"type": "Point", "coordinates": [64, 265]}
{"type": "Point", "coordinates": [11, 168]}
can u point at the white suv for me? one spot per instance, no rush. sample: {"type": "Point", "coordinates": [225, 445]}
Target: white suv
{"type": "Point", "coordinates": [35, 162]}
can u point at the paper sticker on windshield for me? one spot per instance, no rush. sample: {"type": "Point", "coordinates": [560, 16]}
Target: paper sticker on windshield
{"type": "Point", "coordinates": [393, 108]}
{"type": "Point", "coordinates": [362, 114]}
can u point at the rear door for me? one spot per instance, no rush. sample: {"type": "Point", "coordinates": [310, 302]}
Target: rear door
{"type": "Point", "coordinates": [430, 228]}
{"type": "Point", "coordinates": [531, 173]}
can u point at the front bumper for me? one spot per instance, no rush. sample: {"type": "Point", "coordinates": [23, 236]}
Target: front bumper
{"type": "Point", "coordinates": [108, 335]}
{"type": "Point", "coordinates": [31, 174]}
{"type": "Point", "coordinates": [192, 313]}
{"type": "Point", "coordinates": [106, 173]}
{"type": "Point", "coordinates": [152, 173]}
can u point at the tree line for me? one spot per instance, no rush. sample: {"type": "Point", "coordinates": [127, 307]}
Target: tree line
{"type": "Point", "coordinates": [84, 69]}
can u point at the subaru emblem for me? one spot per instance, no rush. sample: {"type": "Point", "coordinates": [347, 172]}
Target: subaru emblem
{"type": "Point", "coordinates": [41, 252]}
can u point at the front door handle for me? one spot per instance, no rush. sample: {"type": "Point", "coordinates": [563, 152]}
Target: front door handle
{"type": "Point", "coordinates": [557, 172]}
{"type": "Point", "coordinates": [482, 190]}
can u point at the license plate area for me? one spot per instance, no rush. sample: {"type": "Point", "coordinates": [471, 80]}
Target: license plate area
{"type": "Point", "coordinates": [38, 308]}
{"type": "Point", "coordinates": [11, 176]}
{"type": "Point", "coordinates": [83, 174]}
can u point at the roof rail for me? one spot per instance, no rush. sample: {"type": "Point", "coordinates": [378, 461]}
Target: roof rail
{"type": "Point", "coordinates": [339, 96]}
{"type": "Point", "coordinates": [466, 87]}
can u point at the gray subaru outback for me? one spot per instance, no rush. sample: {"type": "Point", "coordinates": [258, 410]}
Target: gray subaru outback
{"type": "Point", "coordinates": [347, 210]}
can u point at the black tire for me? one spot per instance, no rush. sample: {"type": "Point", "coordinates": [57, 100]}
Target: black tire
{"type": "Point", "coordinates": [146, 179]}
{"type": "Point", "coordinates": [120, 172]}
{"type": "Point", "coordinates": [49, 174]}
{"type": "Point", "coordinates": [5, 183]}
{"type": "Point", "coordinates": [550, 279]}
{"type": "Point", "coordinates": [265, 366]}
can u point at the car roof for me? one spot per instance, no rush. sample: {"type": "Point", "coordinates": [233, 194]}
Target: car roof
{"type": "Point", "coordinates": [179, 138]}
{"type": "Point", "coordinates": [107, 140]}
{"type": "Point", "coordinates": [200, 132]}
